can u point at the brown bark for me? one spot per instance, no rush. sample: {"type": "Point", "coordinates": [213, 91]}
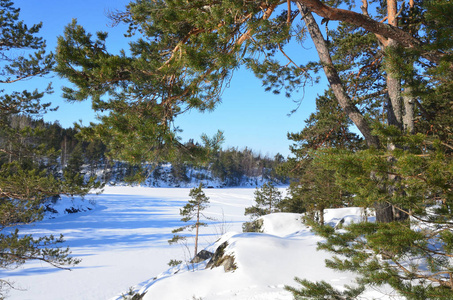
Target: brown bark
{"type": "Point", "coordinates": [334, 79]}
{"type": "Point", "coordinates": [395, 109]}
{"type": "Point", "coordinates": [394, 113]}
{"type": "Point", "coordinates": [361, 20]}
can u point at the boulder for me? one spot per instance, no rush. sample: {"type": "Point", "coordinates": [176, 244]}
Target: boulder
{"type": "Point", "coordinates": [201, 256]}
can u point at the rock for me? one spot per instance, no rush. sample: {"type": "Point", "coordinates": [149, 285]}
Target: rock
{"type": "Point", "coordinates": [229, 264]}
{"type": "Point", "coordinates": [201, 256]}
{"type": "Point", "coordinates": [220, 259]}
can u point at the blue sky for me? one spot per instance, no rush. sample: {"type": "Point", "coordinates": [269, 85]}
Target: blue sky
{"type": "Point", "coordinates": [249, 116]}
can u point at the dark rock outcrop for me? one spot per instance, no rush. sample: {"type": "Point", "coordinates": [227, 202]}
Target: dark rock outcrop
{"type": "Point", "coordinates": [220, 259]}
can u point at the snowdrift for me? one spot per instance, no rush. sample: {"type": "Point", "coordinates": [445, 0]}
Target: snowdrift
{"type": "Point", "coordinates": [265, 262]}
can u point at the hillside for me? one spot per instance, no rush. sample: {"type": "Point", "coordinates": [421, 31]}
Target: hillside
{"type": "Point", "coordinates": [164, 175]}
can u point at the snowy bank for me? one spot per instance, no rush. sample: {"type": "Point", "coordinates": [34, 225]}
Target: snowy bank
{"type": "Point", "coordinates": [265, 263]}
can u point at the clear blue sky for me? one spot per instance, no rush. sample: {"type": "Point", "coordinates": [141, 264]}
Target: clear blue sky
{"type": "Point", "coordinates": [248, 115]}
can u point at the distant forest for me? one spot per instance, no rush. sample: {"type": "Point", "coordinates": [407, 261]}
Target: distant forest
{"type": "Point", "coordinates": [62, 151]}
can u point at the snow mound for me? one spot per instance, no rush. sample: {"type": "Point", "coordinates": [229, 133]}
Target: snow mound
{"type": "Point", "coordinates": [265, 262]}
{"type": "Point", "coordinates": [282, 224]}
{"type": "Point", "coordinates": [346, 215]}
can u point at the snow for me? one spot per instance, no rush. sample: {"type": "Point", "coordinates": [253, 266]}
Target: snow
{"type": "Point", "coordinates": [122, 242]}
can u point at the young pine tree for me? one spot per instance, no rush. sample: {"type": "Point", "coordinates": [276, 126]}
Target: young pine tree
{"type": "Point", "coordinates": [192, 213]}
{"type": "Point", "coordinates": [267, 200]}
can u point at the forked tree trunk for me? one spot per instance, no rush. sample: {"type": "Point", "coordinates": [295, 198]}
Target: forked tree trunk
{"type": "Point", "coordinates": [384, 212]}
{"type": "Point", "coordinates": [334, 79]}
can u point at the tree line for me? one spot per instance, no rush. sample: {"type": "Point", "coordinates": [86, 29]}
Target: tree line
{"type": "Point", "coordinates": [73, 155]}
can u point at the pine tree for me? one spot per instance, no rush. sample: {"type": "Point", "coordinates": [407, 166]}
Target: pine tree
{"type": "Point", "coordinates": [267, 201]}
{"type": "Point", "coordinates": [192, 212]}
{"type": "Point", "coordinates": [28, 162]}
{"type": "Point", "coordinates": [313, 187]}
{"type": "Point", "coordinates": [397, 179]}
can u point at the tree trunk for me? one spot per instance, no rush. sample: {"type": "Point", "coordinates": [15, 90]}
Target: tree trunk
{"type": "Point", "coordinates": [321, 216]}
{"type": "Point", "coordinates": [408, 115]}
{"type": "Point", "coordinates": [196, 231]}
{"type": "Point", "coordinates": [386, 212]}
{"type": "Point", "coordinates": [395, 111]}
{"type": "Point", "coordinates": [334, 79]}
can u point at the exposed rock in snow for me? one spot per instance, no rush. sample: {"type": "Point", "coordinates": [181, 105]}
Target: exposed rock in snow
{"type": "Point", "coordinates": [220, 258]}
{"type": "Point", "coordinates": [259, 265]}
{"type": "Point", "coordinates": [201, 256]}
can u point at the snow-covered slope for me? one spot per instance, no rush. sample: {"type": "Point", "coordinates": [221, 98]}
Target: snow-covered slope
{"type": "Point", "coordinates": [193, 176]}
{"type": "Point", "coordinates": [265, 262]}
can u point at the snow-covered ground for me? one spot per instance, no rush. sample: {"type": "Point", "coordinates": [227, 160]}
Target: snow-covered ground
{"type": "Point", "coordinates": [123, 244]}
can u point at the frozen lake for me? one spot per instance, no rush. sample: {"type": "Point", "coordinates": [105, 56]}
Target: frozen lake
{"type": "Point", "coordinates": [122, 242]}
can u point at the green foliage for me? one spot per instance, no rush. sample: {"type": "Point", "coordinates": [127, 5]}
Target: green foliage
{"type": "Point", "coordinates": [132, 295]}
{"type": "Point", "coordinates": [413, 255]}
{"type": "Point", "coordinates": [423, 170]}
{"type": "Point", "coordinates": [173, 67]}
{"type": "Point", "coordinates": [267, 201]}
{"type": "Point", "coordinates": [232, 165]}
{"type": "Point", "coordinates": [253, 226]}
{"type": "Point", "coordinates": [192, 211]}
{"type": "Point", "coordinates": [313, 187]}
{"type": "Point", "coordinates": [179, 172]}
{"type": "Point", "coordinates": [170, 68]}
{"type": "Point", "coordinates": [323, 290]}
{"type": "Point", "coordinates": [28, 160]}
{"type": "Point", "coordinates": [407, 178]}
{"type": "Point", "coordinates": [174, 262]}
{"type": "Point", "coordinates": [16, 250]}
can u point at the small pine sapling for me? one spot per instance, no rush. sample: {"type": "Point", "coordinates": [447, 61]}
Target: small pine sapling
{"type": "Point", "coordinates": [192, 211]}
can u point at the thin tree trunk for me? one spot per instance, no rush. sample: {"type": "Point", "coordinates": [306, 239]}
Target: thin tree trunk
{"type": "Point", "coordinates": [321, 216]}
{"type": "Point", "coordinates": [408, 98]}
{"type": "Point", "coordinates": [334, 79]}
{"type": "Point", "coordinates": [196, 231]}
{"type": "Point", "coordinates": [270, 202]}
